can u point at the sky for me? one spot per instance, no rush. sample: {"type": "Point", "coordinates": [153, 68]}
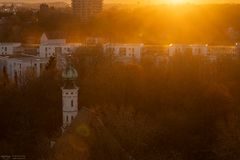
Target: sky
{"type": "Point", "coordinates": [168, 1]}
{"type": "Point", "coordinates": [176, 1]}
{"type": "Point", "coordinates": [136, 1]}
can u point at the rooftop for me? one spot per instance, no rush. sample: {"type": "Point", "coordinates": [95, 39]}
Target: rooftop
{"type": "Point", "coordinates": [23, 58]}
{"type": "Point", "coordinates": [10, 44]}
{"type": "Point", "coordinates": [125, 44]}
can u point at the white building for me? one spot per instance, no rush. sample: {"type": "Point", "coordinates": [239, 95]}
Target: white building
{"type": "Point", "coordinates": [10, 48]}
{"type": "Point", "coordinates": [21, 66]}
{"type": "Point", "coordinates": [124, 52]}
{"type": "Point", "coordinates": [94, 41]}
{"type": "Point", "coordinates": [222, 50]}
{"type": "Point", "coordinates": [52, 47]}
{"type": "Point", "coordinates": [199, 49]}
{"type": "Point", "coordinates": [56, 47]}
{"type": "Point", "coordinates": [69, 96]}
{"type": "Point", "coordinates": [194, 49]}
{"type": "Point", "coordinates": [215, 52]}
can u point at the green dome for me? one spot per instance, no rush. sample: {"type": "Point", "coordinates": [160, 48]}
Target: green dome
{"type": "Point", "coordinates": [70, 73]}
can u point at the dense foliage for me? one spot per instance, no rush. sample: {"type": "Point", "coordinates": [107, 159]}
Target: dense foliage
{"type": "Point", "coordinates": [30, 115]}
{"type": "Point", "coordinates": [185, 109]}
{"type": "Point", "coordinates": [212, 24]}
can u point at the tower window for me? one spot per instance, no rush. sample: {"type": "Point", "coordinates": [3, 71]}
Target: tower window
{"type": "Point", "coordinates": [72, 118]}
{"type": "Point", "coordinates": [67, 118]}
{"type": "Point", "coordinates": [71, 103]}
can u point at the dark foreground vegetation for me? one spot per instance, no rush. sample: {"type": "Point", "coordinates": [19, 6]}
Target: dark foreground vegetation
{"type": "Point", "coordinates": [187, 109]}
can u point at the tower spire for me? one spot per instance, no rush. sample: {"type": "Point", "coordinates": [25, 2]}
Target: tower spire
{"type": "Point", "coordinates": [69, 94]}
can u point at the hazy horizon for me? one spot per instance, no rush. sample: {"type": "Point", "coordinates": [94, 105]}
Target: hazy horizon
{"type": "Point", "coordinates": [131, 1]}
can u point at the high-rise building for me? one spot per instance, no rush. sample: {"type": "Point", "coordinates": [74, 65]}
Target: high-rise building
{"type": "Point", "coordinates": [86, 9]}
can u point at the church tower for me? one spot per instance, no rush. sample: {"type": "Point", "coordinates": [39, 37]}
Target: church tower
{"type": "Point", "coordinates": [69, 95]}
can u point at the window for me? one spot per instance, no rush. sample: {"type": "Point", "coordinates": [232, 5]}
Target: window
{"type": "Point", "coordinates": [71, 103]}
{"type": "Point", "coordinates": [199, 50]}
{"type": "Point", "coordinates": [111, 50]}
{"type": "Point", "coordinates": [67, 118]}
{"type": "Point", "coordinates": [6, 49]}
{"type": "Point", "coordinates": [122, 51]}
{"type": "Point", "coordinates": [72, 118]}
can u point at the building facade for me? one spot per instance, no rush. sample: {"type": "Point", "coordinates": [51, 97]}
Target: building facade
{"type": "Point", "coordinates": [19, 68]}
{"type": "Point", "coordinates": [69, 96]}
{"type": "Point", "coordinates": [85, 9]}
{"type": "Point", "coordinates": [124, 52]}
{"type": "Point", "coordinates": [52, 47]}
{"type": "Point", "coordinates": [194, 49]}
{"type": "Point", "coordinates": [57, 48]}
{"type": "Point", "coordinates": [10, 48]}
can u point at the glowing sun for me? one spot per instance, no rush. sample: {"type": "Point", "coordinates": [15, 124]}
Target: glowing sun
{"type": "Point", "coordinates": [177, 1]}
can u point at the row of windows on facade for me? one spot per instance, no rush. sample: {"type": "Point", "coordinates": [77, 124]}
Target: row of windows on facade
{"type": "Point", "coordinates": [178, 50]}
{"type": "Point", "coordinates": [125, 49]}
{"type": "Point", "coordinates": [67, 119]}
{"type": "Point", "coordinates": [53, 53]}
{"type": "Point", "coordinates": [69, 93]}
{"type": "Point", "coordinates": [49, 48]}
{"type": "Point", "coordinates": [124, 54]}
{"type": "Point", "coordinates": [4, 48]}
{"type": "Point", "coordinates": [4, 53]}
{"type": "Point", "coordinates": [210, 51]}
{"type": "Point", "coordinates": [20, 65]}
{"type": "Point", "coordinates": [49, 54]}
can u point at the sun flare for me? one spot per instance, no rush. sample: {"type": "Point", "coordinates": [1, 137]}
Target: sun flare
{"type": "Point", "coordinates": [176, 1]}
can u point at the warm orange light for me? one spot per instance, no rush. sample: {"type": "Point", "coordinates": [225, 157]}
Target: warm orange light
{"type": "Point", "coordinates": [177, 1]}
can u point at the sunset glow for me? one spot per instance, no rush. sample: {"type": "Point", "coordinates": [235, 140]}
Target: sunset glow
{"type": "Point", "coordinates": [177, 1]}
{"type": "Point", "coordinates": [120, 79]}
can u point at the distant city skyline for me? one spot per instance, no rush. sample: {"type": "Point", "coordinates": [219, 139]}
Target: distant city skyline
{"type": "Point", "coordinates": [129, 1]}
